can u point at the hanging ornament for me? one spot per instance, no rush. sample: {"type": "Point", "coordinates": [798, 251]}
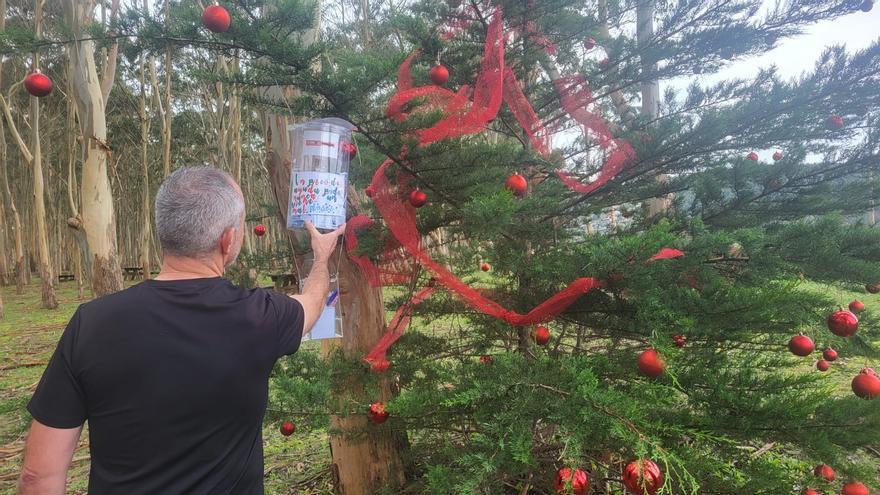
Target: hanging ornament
{"type": "Point", "coordinates": [541, 335]}
{"type": "Point", "coordinates": [380, 366]}
{"type": "Point", "coordinates": [580, 481]}
{"type": "Point", "coordinates": [801, 345]}
{"type": "Point", "coordinates": [604, 63]}
{"type": "Point", "coordinates": [857, 306]}
{"type": "Point", "coordinates": [866, 6]}
{"type": "Point", "coordinates": [642, 477]}
{"type": "Point", "coordinates": [216, 18]}
{"type": "Point", "coordinates": [679, 340]}
{"type": "Point", "coordinates": [822, 365]}
{"type": "Point", "coordinates": [260, 230]}
{"type": "Point", "coordinates": [418, 198]}
{"type": "Point", "coordinates": [873, 288]}
{"type": "Point", "coordinates": [439, 75]}
{"type": "Point", "coordinates": [835, 121]}
{"type": "Point", "coordinates": [38, 84]}
{"type": "Point", "coordinates": [854, 487]}
{"type": "Point", "coordinates": [377, 412]}
{"type": "Point", "coordinates": [651, 363]}
{"type": "Point", "coordinates": [824, 471]}
{"type": "Point", "coordinates": [350, 148]}
{"type": "Point", "coordinates": [590, 43]}
{"type": "Point", "coordinates": [287, 429]}
{"type": "Point", "coordinates": [517, 184]}
{"type": "Point", "coordinates": [484, 266]}
{"type": "Point", "coordinates": [752, 156]}
{"type": "Point", "coordinates": [866, 384]}
{"type": "Point", "coordinates": [810, 491]}
{"type": "Point", "coordinates": [369, 191]}
{"type": "Point", "coordinates": [485, 359]}
{"type": "Point", "coordinates": [777, 156]}
{"type": "Point", "coordinates": [829, 354]}
{"type": "Point", "coordinates": [843, 323]}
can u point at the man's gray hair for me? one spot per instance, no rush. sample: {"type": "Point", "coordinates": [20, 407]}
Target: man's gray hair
{"type": "Point", "coordinates": [194, 206]}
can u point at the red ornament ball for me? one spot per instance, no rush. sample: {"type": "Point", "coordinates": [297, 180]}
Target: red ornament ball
{"type": "Point", "coordinates": [777, 156]}
{"type": "Point", "coordinates": [484, 266]}
{"type": "Point", "coordinates": [541, 335]}
{"type": "Point", "coordinates": [580, 481]}
{"type": "Point", "coordinates": [439, 75]}
{"type": "Point", "coordinates": [517, 184]}
{"type": "Point", "coordinates": [349, 148]}
{"type": "Point", "coordinates": [854, 488]}
{"type": "Point", "coordinates": [380, 366]}
{"type": "Point", "coordinates": [822, 365]}
{"type": "Point", "coordinates": [287, 429]}
{"type": "Point", "coordinates": [866, 384]}
{"type": "Point", "coordinates": [873, 288]}
{"type": "Point", "coordinates": [369, 191]}
{"type": "Point", "coordinates": [843, 323]}
{"type": "Point", "coordinates": [604, 63]}
{"type": "Point", "coordinates": [752, 156]}
{"type": "Point", "coordinates": [801, 345]}
{"type": "Point", "coordinates": [829, 354]}
{"type": "Point", "coordinates": [679, 340]}
{"type": "Point", "coordinates": [38, 84]}
{"type": "Point", "coordinates": [651, 363]}
{"type": "Point", "coordinates": [810, 491]}
{"type": "Point", "coordinates": [835, 121]}
{"type": "Point", "coordinates": [485, 359]}
{"type": "Point", "coordinates": [824, 471]}
{"type": "Point", "coordinates": [216, 18]}
{"type": "Point", "coordinates": [642, 477]}
{"type": "Point", "coordinates": [590, 43]}
{"type": "Point", "coordinates": [378, 414]}
{"type": "Point", "coordinates": [260, 230]}
{"type": "Point", "coordinates": [857, 306]}
{"type": "Point", "coordinates": [418, 198]}
{"type": "Point", "coordinates": [866, 6]}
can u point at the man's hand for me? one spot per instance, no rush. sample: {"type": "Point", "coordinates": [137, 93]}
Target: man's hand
{"type": "Point", "coordinates": [323, 244]}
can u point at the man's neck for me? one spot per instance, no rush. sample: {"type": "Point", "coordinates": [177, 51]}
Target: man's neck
{"type": "Point", "coordinates": [180, 268]}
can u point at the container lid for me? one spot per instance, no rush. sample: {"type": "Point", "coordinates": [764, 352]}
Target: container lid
{"type": "Point", "coordinates": [335, 121]}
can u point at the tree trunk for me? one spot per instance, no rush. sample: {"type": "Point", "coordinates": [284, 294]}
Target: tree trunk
{"type": "Point", "coordinates": [98, 218]}
{"type": "Point", "coordinates": [146, 231]}
{"type": "Point", "coordinates": [650, 92]}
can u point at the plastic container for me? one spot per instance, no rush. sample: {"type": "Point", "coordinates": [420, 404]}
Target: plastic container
{"type": "Point", "coordinates": [321, 151]}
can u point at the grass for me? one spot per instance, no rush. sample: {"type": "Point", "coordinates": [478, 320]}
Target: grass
{"type": "Point", "coordinates": [28, 335]}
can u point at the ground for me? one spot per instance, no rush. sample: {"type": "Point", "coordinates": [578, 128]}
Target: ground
{"type": "Point", "coordinates": [28, 334]}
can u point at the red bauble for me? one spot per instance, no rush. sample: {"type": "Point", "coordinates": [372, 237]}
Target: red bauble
{"type": "Point", "coordinates": [260, 230]}
{"type": "Point", "coordinates": [642, 477]}
{"type": "Point", "coordinates": [378, 414]}
{"type": "Point", "coordinates": [866, 6]}
{"type": "Point", "coordinates": [873, 288]}
{"type": "Point", "coordinates": [854, 488]}
{"type": "Point", "coordinates": [801, 345]}
{"type": "Point", "coordinates": [541, 335]}
{"type": "Point", "coordinates": [843, 323]}
{"type": "Point", "coordinates": [350, 148]}
{"type": "Point", "coordinates": [580, 481]}
{"type": "Point", "coordinates": [777, 156]}
{"type": "Point", "coordinates": [517, 184]}
{"type": "Point", "coordinates": [835, 121]}
{"type": "Point", "coordinates": [439, 75]}
{"type": "Point", "coordinates": [418, 198]}
{"type": "Point", "coordinates": [216, 18]}
{"type": "Point", "coordinates": [651, 363]}
{"type": "Point", "coordinates": [369, 191]}
{"type": "Point", "coordinates": [822, 365]}
{"type": "Point", "coordinates": [857, 306]}
{"type": "Point", "coordinates": [752, 156]}
{"type": "Point", "coordinates": [484, 266]}
{"type": "Point", "coordinates": [287, 429]}
{"type": "Point", "coordinates": [38, 84]}
{"type": "Point", "coordinates": [829, 354]}
{"type": "Point", "coordinates": [679, 340]}
{"type": "Point", "coordinates": [824, 471]}
{"type": "Point", "coordinates": [485, 359]}
{"type": "Point", "coordinates": [590, 43]}
{"type": "Point", "coordinates": [810, 491]}
{"type": "Point", "coordinates": [380, 366]}
{"type": "Point", "coordinates": [866, 384]}
{"type": "Point", "coordinates": [604, 63]}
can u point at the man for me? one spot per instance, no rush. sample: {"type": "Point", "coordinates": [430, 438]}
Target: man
{"type": "Point", "coordinates": [172, 374]}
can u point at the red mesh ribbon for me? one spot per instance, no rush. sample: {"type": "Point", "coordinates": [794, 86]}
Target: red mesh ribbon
{"type": "Point", "coordinates": [666, 254]}
{"type": "Point", "coordinates": [396, 267]}
{"type": "Point", "coordinates": [397, 326]}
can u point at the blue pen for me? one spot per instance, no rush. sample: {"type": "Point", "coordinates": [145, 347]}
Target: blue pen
{"type": "Point", "coordinates": [332, 298]}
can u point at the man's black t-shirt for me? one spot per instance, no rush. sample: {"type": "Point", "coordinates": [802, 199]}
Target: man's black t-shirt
{"type": "Point", "coordinates": [173, 379]}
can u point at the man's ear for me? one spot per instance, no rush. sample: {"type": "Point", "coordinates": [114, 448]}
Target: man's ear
{"type": "Point", "coordinates": [227, 240]}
